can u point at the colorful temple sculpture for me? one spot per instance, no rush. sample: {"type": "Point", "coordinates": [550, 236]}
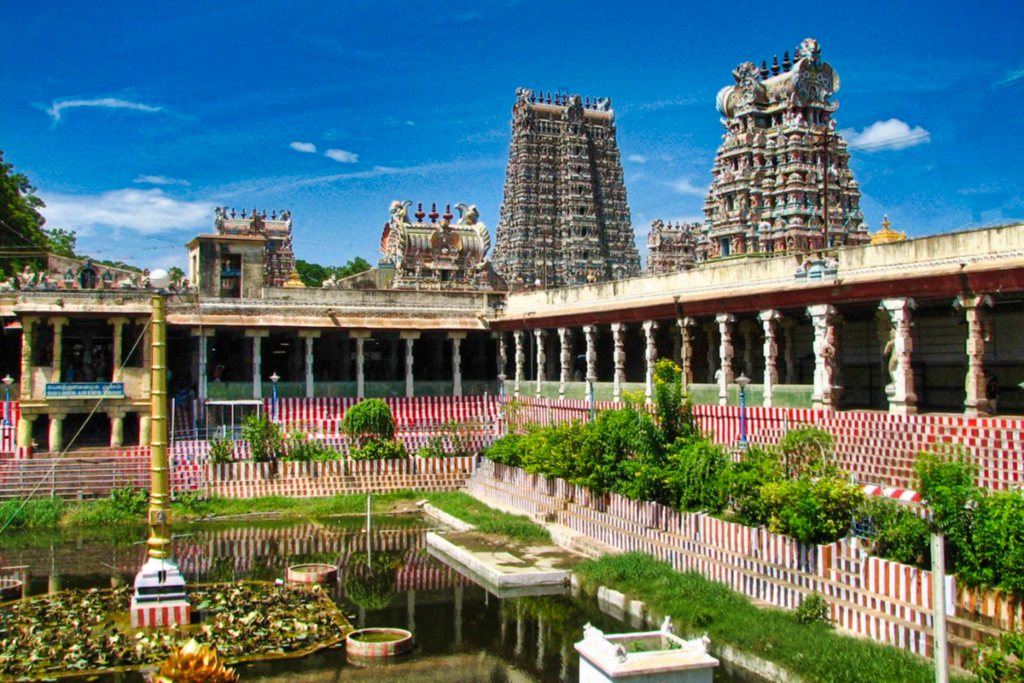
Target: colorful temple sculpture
{"type": "Point", "coordinates": [438, 254]}
{"type": "Point", "coordinates": [781, 178]}
{"type": "Point", "coordinates": [275, 229]}
{"type": "Point", "coordinates": [672, 247]}
{"type": "Point", "coordinates": [564, 219]}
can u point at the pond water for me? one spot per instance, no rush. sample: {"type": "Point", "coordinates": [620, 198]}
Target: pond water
{"type": "Point", "coordinates": [463, 632]}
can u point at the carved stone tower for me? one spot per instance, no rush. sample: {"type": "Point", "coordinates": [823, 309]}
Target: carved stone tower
{"type": "Point", "coordinates": [277, 229]}
{"type": "Point", "coordinates": [781, 175]}
{"type": "Point", "coordinates": [564, 219]}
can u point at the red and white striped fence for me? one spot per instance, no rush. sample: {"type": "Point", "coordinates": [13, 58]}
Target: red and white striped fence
{"type": "Point", "coordinates": [867, 595]}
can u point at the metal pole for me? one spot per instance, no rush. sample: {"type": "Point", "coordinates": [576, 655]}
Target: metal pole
{"type": "Point", "coordinates": [939, 607]}
{"type": "Point", "coordinates": [369, 535]}
{"type": "Point", "coordinates": [590, 396]}
{"type": "Point", "coordinates": [7, 405]}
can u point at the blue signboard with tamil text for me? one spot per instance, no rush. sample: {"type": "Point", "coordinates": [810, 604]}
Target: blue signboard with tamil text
{"type": "Point", "coordinates": [85, 390]}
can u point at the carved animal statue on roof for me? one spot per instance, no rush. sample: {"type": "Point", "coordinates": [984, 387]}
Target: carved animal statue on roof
{"type": "Point", "coordinates": [468, 215]}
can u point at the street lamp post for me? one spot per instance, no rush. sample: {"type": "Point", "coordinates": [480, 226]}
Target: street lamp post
{"type": "Point", "coordinates": [159, 598]}
{"type": "Point", "coordinates": [743, 381]}
{"type": "Point", "coordinates": [590, 393]}
{"type": "Point", "coordinates": [273, 401]}
{"type": "Point", "coordinates": [8, 381]}
{"type": "Point", "coordinates": [501, 403]}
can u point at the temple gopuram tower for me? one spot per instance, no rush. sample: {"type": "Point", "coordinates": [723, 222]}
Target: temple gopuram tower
{"type": "Point", "coordinates": [564, 219]}
{"type": "Point", "coordinates": [781, 177]}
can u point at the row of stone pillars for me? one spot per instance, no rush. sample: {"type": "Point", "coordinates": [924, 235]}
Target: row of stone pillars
{"type": "Point", "coordinates": [565, 357]}
{"type": "Point", "coordinates": [896, 318]}
{"type": "Point", "coordinates": [308, 336]}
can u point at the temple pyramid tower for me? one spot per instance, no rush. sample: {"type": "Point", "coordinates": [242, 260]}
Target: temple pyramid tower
{"type": "Point", "coordinates": [564, 219]}
{"type": "Point", "coordinates": [782, 182]}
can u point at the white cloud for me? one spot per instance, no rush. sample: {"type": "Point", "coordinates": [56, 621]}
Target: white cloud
{"type": "Point", "coordinates": [57, 106]}
{"type": "Point", "coordinates": [889, 134]}
{"type": "Point", "coordinates": [159, 180]}
{"type": "Point", "coordinates": [637, 158]}
{"type": "Point", "coordinates": [685, 186]}
{"type": "Point", "coordinates": [148, 212]}
{"type": "Point", "coordinates": [342, 156]}
{"type": "Point", "coordinates": [307, 147]}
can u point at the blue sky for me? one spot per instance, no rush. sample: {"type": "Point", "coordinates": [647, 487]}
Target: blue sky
{"type": "Point", "coordinates": [135, 119]}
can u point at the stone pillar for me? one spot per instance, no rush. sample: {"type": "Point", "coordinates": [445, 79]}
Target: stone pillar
{"type": "Point", "coordinates": [202, 368]}
{"type": "Point", "coordinates": [58, 346]}
{"type": "Point", "coordinates": [118, 324]}
{"type": "Point", "coordinates": [898, 350]}
{"type": "Point", "coordinates": [789, 349]}
{"type": "Point", "coordinates": [502, 352]}
{"type": "Point", "coordinates": [747, 330]}
{"type": "Point", "coordinates": [651, 357]}
{"type": "Point", "coordinates": [410, 383]}
{"type": "Point", "coordinates": [309, 336]}
{"type": "Point", "coordinates": [144, 429]}
{"type": "Point", "coordinates": [116, 428]}
{"type": "Point", "coordinates": [24, 437]}
{"type": "Point", "coordinates": [360, 336]}
{"type": "Point", "coordinates": [520, 361]}
{"type": "Point", "coordinates": [257, 361]}
{"type": "Point", "coordinates": [976, 398]}
{"type": "Point", "coordinates": [456, 338]}
{"type": "Point", "coordinates": [25, 388]}
{"type": "Point", "coordinates": [769, 323]}
{"type": "Point", "coordinates": [590, 333]}
{"type": "Point", "coordinates": [565, 358]}
{"type": "Point", "coordinates": [56, 440]}
{"type": "Point", "coordinates": [823, 319]}
{"type": "Point", "coordinates": [147, 362]}
{"type": "Point", "coordinates": [619, 356]}
{"type": "Point", "coordinates": [709, 334]}
{"type": "Point", "coordinates": [540, 336]}
{"type": "Point", "coordinates": [410, 610]}
{"type": "Point", "coordinates": [725, 351]}
{"type": "Point", "coordinates": [686, 326]}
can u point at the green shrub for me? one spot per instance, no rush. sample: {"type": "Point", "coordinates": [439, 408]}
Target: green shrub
{"type": "Point", "coordinates": [947, 488]}
{"type": "Point", "coordinates": [617, 437]}
{"type": "Point", "coordinates": [302, 447]}
{"type": "Point", "coordinates": [380, 450]}
{"type": "Point", "coordinates": [894, 532]}
{"type": "Point", "coordinates": [35, 513]}
{"type": "Point", "coordinates": [744, 481]}
{"type": "Point", "coordinates": [1001, 660]}
{"type": "Point", "coordinates": [452, 442]}
{"type": "Point", "coordinates": [697, 475]}
{"type": "Point", "coordinates": [805, 451]}
{"type": "Point", "coordinates": [263, 436]}
{"type": "Point", "coordinates": [222, 450]}
{"type": "Point", "coordinates": [554, 451]}
{"type": "Point", "coordinates": [505, 451]}
{"type": "Point", "coordinates": [812, 511]}
{"type": "Point", "coordinates": [369, 420]}
{"type": "Point", "coordinates": [996, 555]}
{"type": "Point", "coordinates": [813, 609]}
{"type": "Point", "coordinates": [130, 500]}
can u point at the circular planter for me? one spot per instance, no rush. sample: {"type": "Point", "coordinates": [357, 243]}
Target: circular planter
{"type": "Point", "coordinates": [10, 589]}
{"type": "Point", "coordinates": [377, 643]}
{"type": "Point", "coordinates": [312, 573]}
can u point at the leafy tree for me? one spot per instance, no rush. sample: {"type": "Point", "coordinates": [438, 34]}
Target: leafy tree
{"type": "Point", "coordinates": [947, 487]}
{"type": "Point", "coordinates": [697, 474]}
{"type": "Point", "coordinates": [314, 274]}
{"type": "Point", "coordinates": [176, 274]}
{"type": "Point", "coordinates": [62, 242]}
{"type": "Point", "coordinates": [1001, 660]}
{"type": "Point", "coordinates": [806, 450]}
{"type": "Point", "coordinates": [21, 224]}
{"type": "Point", "coordinates": [671, 405]}
{"type": "Point", "coordinates": [895, 532]}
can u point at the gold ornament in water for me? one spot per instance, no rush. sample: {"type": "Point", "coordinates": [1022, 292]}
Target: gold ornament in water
{"type": "Point", "coordinates": [194, 663]}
